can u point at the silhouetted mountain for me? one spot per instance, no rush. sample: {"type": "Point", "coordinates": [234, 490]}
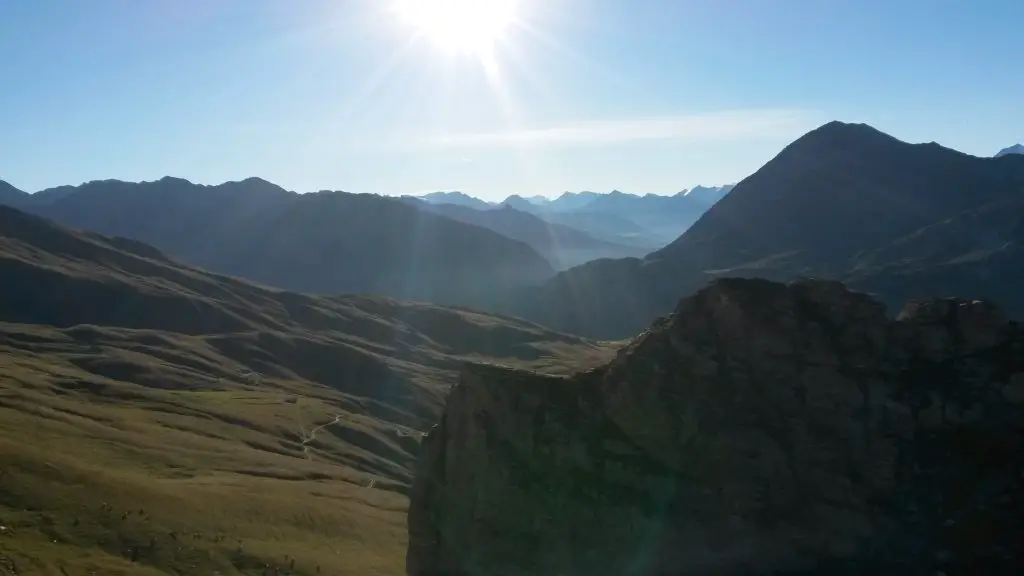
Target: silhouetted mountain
{"type": "Point", "coordinates": [458, 198]}
{"type": "Point", "coordinates": [564, 247]}
{"type": "Point", "coordinates": [322, 242]}
{"type": "Point", "coordinates": [844, 201]}
{"type": "Point", "coordinates": [11, 196]}
{"type": "Point", "coordinates": [1015, 149]}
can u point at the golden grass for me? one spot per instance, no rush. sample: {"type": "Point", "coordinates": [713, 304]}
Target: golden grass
{"type": "Point", "coordinates": [209, 425]}
{"type": "Point", "coordinates": [181, 461]}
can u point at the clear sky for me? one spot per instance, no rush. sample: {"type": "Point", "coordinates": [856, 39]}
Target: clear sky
{"type": "Point", "coordinates": [376, 96]}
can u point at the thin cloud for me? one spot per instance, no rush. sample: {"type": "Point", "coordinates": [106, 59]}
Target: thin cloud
{"type": "Point", "coordinates": [726, 125]}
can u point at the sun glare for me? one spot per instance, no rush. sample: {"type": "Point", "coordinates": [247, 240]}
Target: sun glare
{"type": "Point", "coordinates": [464, 26]}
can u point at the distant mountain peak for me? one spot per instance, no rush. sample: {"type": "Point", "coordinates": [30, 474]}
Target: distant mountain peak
{"type": "Point", "coordinates": [174, 180]}
{"type": "Point", "coordinates": [454, 197]}
{"type": "Point", "coordinates": [836, 131]}
{"type": "Point", "coordinates": [1015, 149]}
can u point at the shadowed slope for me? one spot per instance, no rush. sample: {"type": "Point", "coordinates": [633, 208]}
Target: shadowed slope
{"type": "Point", "coordinates": [322, 242]}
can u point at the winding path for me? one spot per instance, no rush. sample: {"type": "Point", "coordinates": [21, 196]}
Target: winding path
{"type": "Point", "coordinates": [312, 434]}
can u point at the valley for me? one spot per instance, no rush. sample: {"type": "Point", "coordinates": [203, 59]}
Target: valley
{"type": "Point", "coordinates": [511, 288]}
{"type": "Point", "coordinates": [266, 413]}
{"type": "Point", "coordinates": [158, 419]}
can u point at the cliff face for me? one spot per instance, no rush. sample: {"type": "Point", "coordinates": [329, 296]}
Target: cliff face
{"type": "Point", "coordinates": [761, 427]}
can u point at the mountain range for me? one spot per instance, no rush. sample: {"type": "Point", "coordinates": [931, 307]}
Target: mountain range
{"type": "Point", "coordinates": [844, 202]}
{"type": "Point", "coordinates": [319, 242]}
{"type": "Point", "coordinates": [165, 408]}
{"type": "Point", "coordinates": [646, 222]}
{"type": "Point", "coordinates": [444, 247]}
{"type": "Point", "coordinates": [563, 246]}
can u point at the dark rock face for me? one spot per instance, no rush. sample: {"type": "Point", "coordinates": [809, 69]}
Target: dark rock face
{"type": "Point", "coordinates": [762, 428]}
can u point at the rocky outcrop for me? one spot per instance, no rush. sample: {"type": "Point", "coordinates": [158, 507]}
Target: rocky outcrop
{"type": "Point", "coordinates": [761, 428]}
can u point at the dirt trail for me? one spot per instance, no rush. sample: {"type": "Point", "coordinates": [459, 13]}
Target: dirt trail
{"type": "Point", "coordinates": [312, 434]}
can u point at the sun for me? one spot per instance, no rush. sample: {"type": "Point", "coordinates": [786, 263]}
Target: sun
{"type": "Point", "coordinates": [471, 27]}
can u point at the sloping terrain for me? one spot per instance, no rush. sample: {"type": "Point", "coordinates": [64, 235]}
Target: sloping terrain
{"type": "Point", "coordinates": [1015, 149]}
{"type": "Point", "coordinates": [845, 202]}
{"type": "Point", "coordinates": [760, 429]}
{"type": "Point", "coordinates": [11, 196]}
{"type": "Point", "coordinates": [562, 246]}
{"type": "Point", "coordinates": [322, 242]}
{"type": "Point", "coordinates": [157, 419]}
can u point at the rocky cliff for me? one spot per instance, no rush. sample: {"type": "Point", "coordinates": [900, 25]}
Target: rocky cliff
{"type": "Point", "coordinates": [761, 428]}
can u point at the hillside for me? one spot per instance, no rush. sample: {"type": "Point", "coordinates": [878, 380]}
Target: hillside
{"type": "Point", "coordinates": [323, 242]}
{"type": "Point", "coordinates": [845, 202]}
{"type": "Point", "coordinates": [760, 429]}
{"type": "Point", "coordinates": [156, 419]}
{"type": "Point", "coordinates": [562, 246]}
{"type": "Point", "coordinates": [11, 196]}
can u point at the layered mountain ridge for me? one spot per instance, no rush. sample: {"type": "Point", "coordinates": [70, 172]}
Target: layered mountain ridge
{"type": "Point", "coordinates": [562, 246]}
{"type": "Point", "coordinates": [318, 242]}
{"type": "Point", "coordinates": [845, 202]}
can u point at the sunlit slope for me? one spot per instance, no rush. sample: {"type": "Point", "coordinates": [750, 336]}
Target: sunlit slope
{"type": "Point", "coordinates": [155, 419]}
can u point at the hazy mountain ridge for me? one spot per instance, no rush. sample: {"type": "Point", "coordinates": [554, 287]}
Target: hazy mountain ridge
{"type": "Point", "coordinates": [645, 222]}
{"type": "Point", "coordinates": [821, 207]}
{"type": "Point", "coordinates": [455, 197]}
{"type": "Point", "coordinates": [563, 246]}
{"type": "Point", "coordinates": [318, 242]}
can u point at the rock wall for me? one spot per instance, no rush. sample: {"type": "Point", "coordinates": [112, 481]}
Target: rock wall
{"type": "Point", "coordinates": [761, 428]}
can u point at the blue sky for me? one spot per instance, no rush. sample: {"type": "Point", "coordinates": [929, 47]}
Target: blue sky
{"type": "Point", "coordinates": [639, 95]}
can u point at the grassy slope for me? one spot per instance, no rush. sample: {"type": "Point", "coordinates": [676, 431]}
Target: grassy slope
{"type": "Point", "coordinates": [204, 425]}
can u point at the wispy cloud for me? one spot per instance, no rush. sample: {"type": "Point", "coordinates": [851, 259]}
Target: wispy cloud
{"type": "Point", "coordinates": [724, 125]}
